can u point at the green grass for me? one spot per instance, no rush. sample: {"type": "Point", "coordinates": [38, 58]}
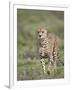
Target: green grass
{"type": "Point", "coordinates": [28, 63]}
{"type": "Point", "coordinates": [32, 69]}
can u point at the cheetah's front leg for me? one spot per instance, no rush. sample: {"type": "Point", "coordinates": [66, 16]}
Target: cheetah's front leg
{"type": "Point", "coordinates": [43, 65]}
{"type": "Point", "coordinates": [50, 64]}
{"type": "Point", "coordinates": [42, 54]}
{"type": "Point", "coordinates": [51, 60]}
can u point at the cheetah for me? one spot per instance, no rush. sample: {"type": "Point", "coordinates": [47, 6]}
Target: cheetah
{"type": "Point", "coordinates": [47, 47]}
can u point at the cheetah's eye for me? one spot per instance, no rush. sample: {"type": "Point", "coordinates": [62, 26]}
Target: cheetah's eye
{"type": "Point", "coordinates": [42, 31]}
{"type": "Point", "coordinates": [38, 32]}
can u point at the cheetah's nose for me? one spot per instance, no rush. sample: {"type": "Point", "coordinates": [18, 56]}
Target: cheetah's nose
{"type": "Point", "coordinates": [39, 35]}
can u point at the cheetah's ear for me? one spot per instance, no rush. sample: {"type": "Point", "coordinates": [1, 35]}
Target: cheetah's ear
{"type": "Point", "coordinates": [47, 30]}
{"type": "Point", "coordinates": [47, 33]}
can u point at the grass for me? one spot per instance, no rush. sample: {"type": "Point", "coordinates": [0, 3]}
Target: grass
{"type": "Point", "coordinates": [28, 63]}
{"type": "Point", "coordinates": [32, 70]}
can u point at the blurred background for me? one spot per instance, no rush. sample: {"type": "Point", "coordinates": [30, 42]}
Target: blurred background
{"type": "Point", "coordinates": [28, 22]}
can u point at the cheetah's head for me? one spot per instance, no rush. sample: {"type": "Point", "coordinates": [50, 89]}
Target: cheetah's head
{"type": "Point", "coordinates": [42, 33]}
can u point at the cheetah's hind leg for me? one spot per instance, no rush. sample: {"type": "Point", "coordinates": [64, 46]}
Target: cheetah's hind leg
{"type": "Point", "coordinates": [55, 61]}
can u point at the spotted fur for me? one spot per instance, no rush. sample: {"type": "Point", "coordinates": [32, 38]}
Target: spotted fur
{"type": "Point", "coordinates": [48, 46]}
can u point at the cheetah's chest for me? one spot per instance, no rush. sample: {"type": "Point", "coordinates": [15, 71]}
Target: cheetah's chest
{"type": "Point", "coordinates": [44, 49]}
